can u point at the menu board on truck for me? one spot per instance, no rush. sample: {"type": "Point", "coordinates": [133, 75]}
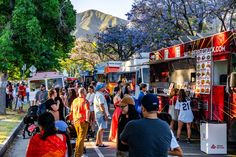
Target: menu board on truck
{"type": "Point", "coordinates": [203, 71]}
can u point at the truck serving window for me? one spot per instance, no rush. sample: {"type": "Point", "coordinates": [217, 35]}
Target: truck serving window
{"type": "Point", "coordinates": [55, 82]}
{"type": "Point", "coordinates": [35, 84]}
{"type": "Point", "coordinates": [113, 77]}
{"type": "Point", "coordinates": [146, 75]}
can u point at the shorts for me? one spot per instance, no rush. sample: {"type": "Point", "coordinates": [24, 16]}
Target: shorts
{"type": "Point", "coordinates": [102, 124]}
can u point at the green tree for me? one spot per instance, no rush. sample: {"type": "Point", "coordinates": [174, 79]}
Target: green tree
{"type": "Point", "coordinates": [41, 31]}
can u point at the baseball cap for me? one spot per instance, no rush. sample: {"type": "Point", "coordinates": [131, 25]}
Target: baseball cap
{"type": "Point", "coordinates": [126, 100]}
{"type": "Point", "coordinates": [100, 86]}
{"type": "Point", "coordinates": [150, 102]}
{"type": "Point", "coordinates": [61, 125]}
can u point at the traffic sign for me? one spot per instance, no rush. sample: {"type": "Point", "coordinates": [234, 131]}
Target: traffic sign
{"type": "Point", "coordinates": [24, 67]}
{"type": "Point", "coordinates": [33, 69]}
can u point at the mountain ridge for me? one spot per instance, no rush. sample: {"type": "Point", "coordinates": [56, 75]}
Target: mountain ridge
{"type": "Point", "coordinates": [92, 21]}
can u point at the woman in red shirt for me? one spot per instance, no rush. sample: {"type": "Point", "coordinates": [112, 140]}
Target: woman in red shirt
{"type": "Point", "coordinates": [47, 142]}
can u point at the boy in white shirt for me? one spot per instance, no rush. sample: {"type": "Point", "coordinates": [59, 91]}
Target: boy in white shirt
{"type": "Point", "coordinates": [175, 149]}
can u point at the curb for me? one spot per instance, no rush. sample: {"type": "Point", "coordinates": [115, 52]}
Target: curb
{"type": "Point", "coordinates": [11, 138]}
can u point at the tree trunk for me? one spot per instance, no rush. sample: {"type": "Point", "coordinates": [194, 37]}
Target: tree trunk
{"type": "Point", "coordinates": [3, 83]}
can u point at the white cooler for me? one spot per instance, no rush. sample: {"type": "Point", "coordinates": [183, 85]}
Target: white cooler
{"type": "Point", "coordinates": [213, 137]}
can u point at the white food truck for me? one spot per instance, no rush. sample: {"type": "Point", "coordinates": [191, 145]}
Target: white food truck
{"type": "Point", "coordinates": [50, 79]}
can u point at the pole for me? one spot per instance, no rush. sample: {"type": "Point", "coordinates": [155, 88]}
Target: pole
{"type": "Point", "coordinates": [212, 79]}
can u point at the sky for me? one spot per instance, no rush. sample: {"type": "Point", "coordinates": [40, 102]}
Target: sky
{"type": "Point", "coordinates": [116, 8]}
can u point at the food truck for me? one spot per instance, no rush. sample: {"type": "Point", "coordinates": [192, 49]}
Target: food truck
{"type": "Point", "coordinates": [204, 68]}
{"type": "Point", "coordinates": [108, 72]}
{"type": "Point", "coordinates": [50, 79]}
{"type": "Point", "coordinates": [136, 71]}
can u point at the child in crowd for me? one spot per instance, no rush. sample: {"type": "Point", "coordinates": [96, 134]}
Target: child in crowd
{"type": "Point", "coordinates": [175, 149]}
{"type": "Point", "coordinates": [20, 104]}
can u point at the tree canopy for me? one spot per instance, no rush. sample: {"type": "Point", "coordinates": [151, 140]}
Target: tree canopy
{"type": "Point", "coordinates": [121, 42]}
{"type": "Point", "coordinates": [167, 20]}
{"type": "Point", "coordinates": [36, 33]}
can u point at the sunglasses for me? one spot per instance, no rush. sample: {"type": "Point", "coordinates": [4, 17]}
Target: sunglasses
{"type": "Point", "coordinates": [123, 106]}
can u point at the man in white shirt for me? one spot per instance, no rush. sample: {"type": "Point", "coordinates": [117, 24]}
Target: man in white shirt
{"type": "Point", "coordinates": [101, 116]}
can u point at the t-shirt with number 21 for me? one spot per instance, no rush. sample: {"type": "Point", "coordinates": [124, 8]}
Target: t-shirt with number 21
{"type": "Point", "coordinates": [185, 111]}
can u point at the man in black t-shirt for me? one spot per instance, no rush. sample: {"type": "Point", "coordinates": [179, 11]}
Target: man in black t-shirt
{"type": "Point", "coordinates": [150, 136]}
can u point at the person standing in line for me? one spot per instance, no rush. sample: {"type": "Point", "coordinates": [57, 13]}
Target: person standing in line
{"type": "Point", "coordinates": [101, 116]}
{"type": "Point", "coordinates": [42, 95]}
{"type": "Point", "coordinates": [63, 96]}
{"type": "Point", "coordinates": [61, 104]}
{"type": "Point", "coordinates": [16, 94]}
{"type": "Point", "coordinates": [22, 91]}
{"type": "Point", "coordinates": [115, 117]}
{"type": "Point", "coordinates": [81, 114]}
{"type": "Point", "coordinates": [128, 113]}
{"type": "Point", "coordinates": [27, 93]}
{"type": "Point", "coordinates": [71, 97]}
{"type": "Point", "coordinates": [172, 111]}
{"type": "Point", "coordinates": [20, 104]}
{"type": "Point", "coordinates": [149, 136]}
{"type": "Point", "coordinates": [143, 91]}
{"type": "Point", "coordinates": [90, 98]}
{"type": "Point", "coordinates": [120, 85]}
{"type": "Point", "coordinates": [52, 105]}
{"type": "Point", "coordinates": [185, 114]}
{"type": "Point", "coordinates": [175, 149]}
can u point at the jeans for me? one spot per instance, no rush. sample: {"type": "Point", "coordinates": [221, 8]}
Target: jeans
{"type": "Point", "coordinates": [81, 130]}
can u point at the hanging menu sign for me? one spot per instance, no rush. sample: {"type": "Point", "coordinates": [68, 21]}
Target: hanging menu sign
{"type": "Point", "coordinates": [203, 72]}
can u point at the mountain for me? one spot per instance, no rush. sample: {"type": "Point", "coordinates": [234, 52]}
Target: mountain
{"type": "Point", "coordinates": [92, 21]}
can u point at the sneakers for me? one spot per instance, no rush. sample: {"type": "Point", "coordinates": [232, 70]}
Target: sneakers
{"type": "Point", "coordinates": [84, 155]}
{"type": "Point", "coordinates": [188, 140]}
{"type": "Point", "coordinates": [177, 139]}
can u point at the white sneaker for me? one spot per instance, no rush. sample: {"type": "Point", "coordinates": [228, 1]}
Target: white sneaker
{"type": "Point", "coordinates": [109, 117]}
{"type": "Point", "coordinates": [84, 155]}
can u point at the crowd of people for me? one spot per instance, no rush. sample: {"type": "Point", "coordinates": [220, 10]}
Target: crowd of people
{"type": "Point", "coordinates": [136, 127]}
{"type": "Point", "coordinates": [17, 95]}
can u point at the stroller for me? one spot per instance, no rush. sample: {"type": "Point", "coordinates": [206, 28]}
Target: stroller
{"type": "Point", "coordinates": [29, 121]}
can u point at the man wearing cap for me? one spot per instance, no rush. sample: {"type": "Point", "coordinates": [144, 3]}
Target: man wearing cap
{"type": "Point", "coordinates": [149, 136]}
{"type": "Point", "coordinates": [101, 115]}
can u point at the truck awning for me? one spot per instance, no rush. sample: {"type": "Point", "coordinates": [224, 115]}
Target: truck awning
{"type": "Point", "coordinates": [112, 69]}
{"type": "Point", "coordinates": [169, 60]}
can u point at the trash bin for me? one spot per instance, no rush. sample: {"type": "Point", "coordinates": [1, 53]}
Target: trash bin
{"type": "Point", "coordinates": [213, 137]}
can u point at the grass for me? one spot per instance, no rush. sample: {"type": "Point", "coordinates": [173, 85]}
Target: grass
{"type": "Point", "coordinates": [8, 122]}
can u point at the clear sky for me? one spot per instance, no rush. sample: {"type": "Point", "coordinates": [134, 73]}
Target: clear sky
{"type": "Point", "coordinates": [116, 8]}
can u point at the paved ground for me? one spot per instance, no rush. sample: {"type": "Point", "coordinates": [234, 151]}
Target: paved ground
{"type": "Point", "coordinates": [19, 146]}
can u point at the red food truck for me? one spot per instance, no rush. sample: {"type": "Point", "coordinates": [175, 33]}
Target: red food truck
{"type": "Point", "coordinates": [203, 68]}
